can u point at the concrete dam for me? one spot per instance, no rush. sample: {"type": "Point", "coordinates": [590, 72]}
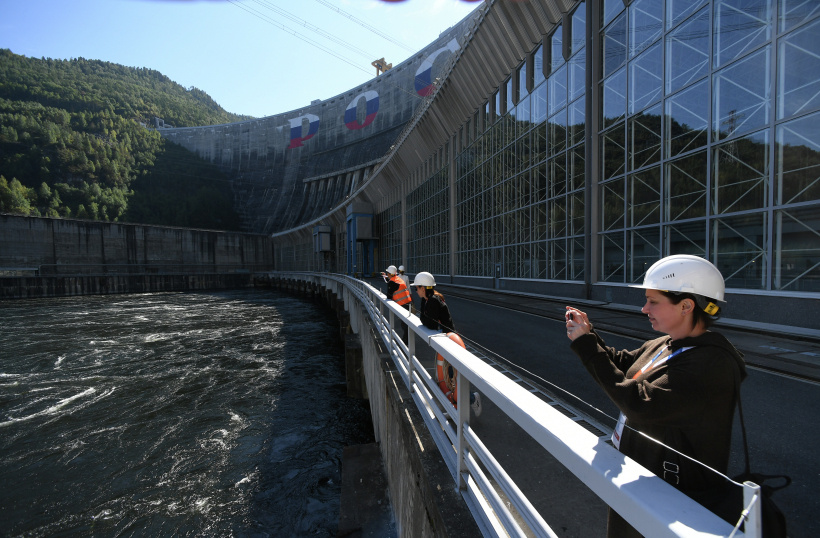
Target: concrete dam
{"type": "Point", "coordinates": [293, 167]}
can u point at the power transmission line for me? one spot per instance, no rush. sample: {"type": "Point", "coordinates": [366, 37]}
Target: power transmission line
{"type": "Point", "coordinates": [366, 25]}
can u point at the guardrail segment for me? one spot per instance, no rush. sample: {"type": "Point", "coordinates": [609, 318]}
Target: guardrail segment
{"type": "Point", "coordinates": [646, 501]}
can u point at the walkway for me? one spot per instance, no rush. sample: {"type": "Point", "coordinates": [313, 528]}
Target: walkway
{"type": "Point", "coordinates": [525, 335]}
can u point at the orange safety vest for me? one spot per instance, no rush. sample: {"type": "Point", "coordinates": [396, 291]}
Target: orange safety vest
{"type": "Point", "coordinates": [402, 295]}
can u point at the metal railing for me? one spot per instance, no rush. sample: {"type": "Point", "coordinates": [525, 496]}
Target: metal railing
{"type": "Point", "coordinates": [646, 501]}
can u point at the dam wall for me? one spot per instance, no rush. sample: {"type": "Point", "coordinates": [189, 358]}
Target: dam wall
{"type": "Point", "coordinates": [44, 257]}
{"type": "Point", "coordinates": [293, 167]}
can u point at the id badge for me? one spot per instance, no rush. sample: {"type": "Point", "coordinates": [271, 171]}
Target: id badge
{"type": "Point", "coordinates": [619, 431]}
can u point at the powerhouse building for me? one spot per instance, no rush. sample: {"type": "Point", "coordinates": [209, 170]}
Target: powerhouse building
{"type": "Point", "coordinates": [560, 148]}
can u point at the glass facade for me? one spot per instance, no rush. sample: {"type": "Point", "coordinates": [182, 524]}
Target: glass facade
{"type": "Point", "coordinates": [701, 146]}
{"type": "Point", "coordinates": [705, 141]}
{"type": "Point", "coordinates": [428, 222]}
{"type": "Point", "coordinates": [388, 229]}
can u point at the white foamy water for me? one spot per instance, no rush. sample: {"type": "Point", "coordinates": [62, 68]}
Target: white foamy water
{"type": "Point", "coordinates": [219, 414]}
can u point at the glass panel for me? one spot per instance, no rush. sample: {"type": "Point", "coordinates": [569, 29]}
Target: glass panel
{"type": "Point", "coordinates": [687, 52]}
{"type": "Point", "coordinates": [576, 259]}
{"type": "Point", "coordinates": [522, 80]}
{"type": "Point", "coordinates": [741, 174]}
{"type": "Point", "coordinates": [558, 217]}
{"type": "Point", "coordinates": [610, 9]}
{"type": "Point", "coordinates": [577, 75]}
{"type": "Point", "coordinates": [645, 138]}
{"type": "Point", "coordinates": [740, 26]}
{"type": "Point", "coordinates": [798, 161]}
{"type": "Point", "coordinates": [687, 123]}
{"type": "Point", "coordinates": [557, 92]}
{"type": "Point", "coordinates": [614, 91]}
{"type": "Point", "coordinates": [739, 248]}
{"type": "Point", "coordinates": [558, 260]}
{"type": "Point", "coordinates": [557, 176]}
{"type": "Point", "coordinates": [539, 104]}
{"type": "Point", "coordinates": [576, 217]}
{"type": "Point", "coordinates": [799, 71]}
{"type": "Point", "coordinates": [644, 250]}
{"type": "Point", "coordinates": [645, 24]}
{"type": "Point", "coordinates": [612, 257]}
{"type": "Point", "coordinates": [576, 112]}
{"type": "Point", "coordinates": [644, 198]}
{"type": "Point", "coordinates": [686, 187]}
{"type": "Point", "coordinates": [793, 12]}
{"type": "Point", "coordinates": [538, 66]}
{"type": "Point", "coordinates": [797, 252]}
{"type": "Point", "coordinates": [613, 205]}
{"type": "Point", "coordinates": [646, 79]}
{"type": "Point", "coordinates": [510, 95]}
{"type": "Point", "coordinates": [579, 28]}
{"type": "Point", "coordinates": [539, 143]}
{"type": "Point", "coordinates": [677, 10]}
{"type": "Point", "coordinates": [613, 160]}
{"type": "Point", "coordinates": [541, 260]}
{"type": "Point", "coordinates": [577, 171]}
{"type": "Point", "coordinates": [614, 45]}
{"type": "Point", "coordinates": [522, 114]}
{"type": "Point", "coordinates": [687, 238]}
{"type": "Point", "coordinates": [539, 217]}
{"type": "Point", "coordinates": [556, 48]}
{"type": "Point", "coordinates": [557, 133]}
{"type": "Point", "coordinates": [741, 96]}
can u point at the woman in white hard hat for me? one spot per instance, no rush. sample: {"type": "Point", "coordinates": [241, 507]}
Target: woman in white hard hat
{"type": "Point", "coordinates": [679, 389]}
{"type": "Point", "coordinates": [435, 314]}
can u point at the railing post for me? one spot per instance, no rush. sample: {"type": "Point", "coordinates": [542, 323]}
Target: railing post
{"type": "Point", "coordinates": [463, 403]}
{"type": "Point", "coordinates": [753, 527]}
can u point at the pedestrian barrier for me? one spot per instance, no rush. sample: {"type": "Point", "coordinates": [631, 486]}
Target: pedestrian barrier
{"type": "Point", "coordinates": [646, 501]}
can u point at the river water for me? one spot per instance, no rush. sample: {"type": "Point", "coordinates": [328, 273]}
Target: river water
{"type": "Point", "coordinates": [185, 414]}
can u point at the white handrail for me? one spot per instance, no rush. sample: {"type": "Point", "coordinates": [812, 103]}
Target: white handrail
{"type": "Point", "coordinates": [646, 501]}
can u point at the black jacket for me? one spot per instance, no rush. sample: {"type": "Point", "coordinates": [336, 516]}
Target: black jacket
{"type": "Point", "coordinates": [435, 314]}
{"type": "Point", "coordinates": [686, 403]}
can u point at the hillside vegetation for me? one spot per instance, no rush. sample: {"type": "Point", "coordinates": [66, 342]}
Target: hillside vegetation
{"type": "Point", "coordinates": [74, 143]}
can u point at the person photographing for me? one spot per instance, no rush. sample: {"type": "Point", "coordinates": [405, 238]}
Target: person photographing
{"type": "Point", "coordinates": [679, 389]}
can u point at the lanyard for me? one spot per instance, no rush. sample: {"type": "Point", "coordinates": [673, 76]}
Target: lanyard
{"type": "Point", "coordinates": [652, 364]}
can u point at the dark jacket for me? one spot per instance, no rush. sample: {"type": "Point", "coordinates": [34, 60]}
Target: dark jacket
{"type": "Point", "coordinates": [435, 314]}
{"type": "Point", "coordinates": [686, 403]}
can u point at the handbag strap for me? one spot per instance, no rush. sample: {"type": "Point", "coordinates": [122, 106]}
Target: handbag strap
{"type": "Point", "coordinates": [760, 477]}
{"type": "Point", "coordinates": [742, 423]}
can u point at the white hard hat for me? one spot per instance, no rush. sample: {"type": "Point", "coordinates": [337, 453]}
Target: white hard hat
{"type": "Point", "coordinates": [684, 273]}
{"type": "Point", "coordinates": [391, 269]}
{"type": "Point", "coordinates": [401, 268]}
{"type": "Point", "coordinates": [424, 279]}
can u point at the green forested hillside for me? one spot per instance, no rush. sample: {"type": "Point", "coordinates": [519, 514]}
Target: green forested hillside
{"type": "Point", "coordinates": [73, 143]}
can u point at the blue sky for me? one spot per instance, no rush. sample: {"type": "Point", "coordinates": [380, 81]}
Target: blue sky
{"type": "Point", "coordinates": [255, 57]}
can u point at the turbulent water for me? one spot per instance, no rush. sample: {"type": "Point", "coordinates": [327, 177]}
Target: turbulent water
{"type": "Point", "coordinates": [186, 414]}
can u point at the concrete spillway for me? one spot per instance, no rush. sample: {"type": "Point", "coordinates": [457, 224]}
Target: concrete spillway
{"type": "Point", "coordinates": [291, 168]}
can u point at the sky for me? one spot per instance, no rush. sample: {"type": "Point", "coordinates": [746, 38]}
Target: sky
{"type": "Point", "coordinates": [253, 57]}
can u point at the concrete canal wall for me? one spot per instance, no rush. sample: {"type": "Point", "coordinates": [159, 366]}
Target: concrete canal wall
{"type": "Point", "coordinates": [44, 257]}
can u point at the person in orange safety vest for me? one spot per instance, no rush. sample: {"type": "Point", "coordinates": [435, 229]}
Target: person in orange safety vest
{"type": "Point", "coordinates": [398, 291]}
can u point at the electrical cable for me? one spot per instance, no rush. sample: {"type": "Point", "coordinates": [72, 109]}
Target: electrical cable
{"type": "Point", "coordinates": [365, 25]}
